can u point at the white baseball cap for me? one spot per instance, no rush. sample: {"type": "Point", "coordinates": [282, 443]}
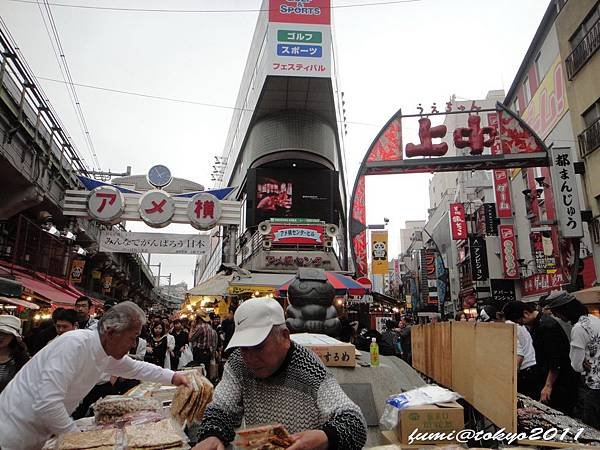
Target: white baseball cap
{"type": "Point", "coordinates": [10, 325]}
{"type": "Point", "coordinates": [254, 320]}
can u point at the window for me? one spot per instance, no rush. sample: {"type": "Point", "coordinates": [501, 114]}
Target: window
{"type": "Point", "coordinates": [527, 91]}
{"type": "Point", "coordinates": [515, 106]}
{"type": "Point", "coordinates": [592, 114]}
{"type": "Point", "coordinates": [538, 70]}
{"type": "Point", "coordinates": [585, 26]}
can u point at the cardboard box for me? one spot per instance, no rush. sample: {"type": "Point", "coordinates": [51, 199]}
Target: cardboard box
{"type": "Point", "coordinates": [443, 418]}
{"type": "Point", "coordinates": [332, 352]}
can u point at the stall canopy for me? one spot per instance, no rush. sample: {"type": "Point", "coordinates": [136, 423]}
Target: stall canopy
{"type": "Point", "coordinates": [589, 295]}
{"type": "Point", "coordinates": [19, 302]}
{"type": "Point", "coordinates": [10, 288]}
{"type": "Point", "coordinates": [263, 283]}
{"type": "Point", "coordinates": [213, 287]}
{"type": "Point", "coordinates": [49, 291]}
{"type": "Point", "coordinates": [341, 283]}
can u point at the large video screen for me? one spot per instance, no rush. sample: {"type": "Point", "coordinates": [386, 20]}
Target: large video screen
{"type": "Point", "coordinates": [291, 193]}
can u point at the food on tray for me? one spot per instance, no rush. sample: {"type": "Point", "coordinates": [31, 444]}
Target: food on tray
{"type": "Point", "coordinates": [190, 403]}
{"type": "Point", "coordinates": [112, 408]}
{"type": "Point", "coordinates": [267, 437]}
{"type": "Point", "coordinates": [152, 436]}
{"type": "Point", "coordinates": [96, 440]}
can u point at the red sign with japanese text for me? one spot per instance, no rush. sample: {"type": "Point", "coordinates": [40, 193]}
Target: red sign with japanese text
{"type": "Point", "coordinates": [300, 11]}
{"type": "Point", "coordinates": [297, 234]}
{"type": "Point", "coordinates": [542, 283]}
{"type": "Point", "coordinates": [458, 223]}
{"type": "Point", "coordinates": [501, 180]}
{"type": "Point", "coordinates": [508, 250]}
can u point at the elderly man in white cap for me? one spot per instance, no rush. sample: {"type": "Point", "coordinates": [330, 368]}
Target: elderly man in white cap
{"type": "Point", "coordinates": [270, 379]}
{"type": "Point", "coordinates": [13, 352]}
{"type": "Point", "coordinates": [39, 400]}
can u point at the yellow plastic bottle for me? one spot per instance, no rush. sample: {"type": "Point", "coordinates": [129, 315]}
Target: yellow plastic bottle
{"type": "Point", "coordinates": [374, 353]}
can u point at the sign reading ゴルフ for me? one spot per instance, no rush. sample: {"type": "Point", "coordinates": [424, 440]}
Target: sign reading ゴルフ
{"type": "Point", "coordinates": [568, 210]}
{"type": "Point", "coordinates": [128, 242]}
{"type": "Point", "coordinates": [299, 38]}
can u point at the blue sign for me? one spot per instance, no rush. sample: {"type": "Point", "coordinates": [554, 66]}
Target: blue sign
{"type": "Point", "coordinates": [310, 51]}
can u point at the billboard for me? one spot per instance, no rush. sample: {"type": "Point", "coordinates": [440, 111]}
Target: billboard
{"type": "Point", "coordinates": [291, 193]}
{"type": "Point", "coordinates": [379, 253]}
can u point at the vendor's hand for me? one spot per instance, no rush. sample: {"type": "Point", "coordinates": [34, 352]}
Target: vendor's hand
{"type": "Point", "coordinates": [587, 365]}
{"type": "Point", "coordinates": [179, 379]}
{"type": "Point", "coordinates": [148, 349]}
{"type": "Point", "coordinates": [309, 440]}
{"type": "Point", "coordinates": [210, 443]}
{"type": "Point", "coordinates": [545, 394]}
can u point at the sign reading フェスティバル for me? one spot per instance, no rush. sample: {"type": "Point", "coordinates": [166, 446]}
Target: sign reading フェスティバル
{"type": "Point", "coordinates": [299, 38]}
{"type": "Point", "coordinates": [177, 244]}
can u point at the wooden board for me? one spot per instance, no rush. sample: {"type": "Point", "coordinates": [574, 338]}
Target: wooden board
{"type": "Point", "coordinates": [463, 359]}
{"type": "Point", "coordinates": [477, 360]}
{"type": "Point", "coordinates": [495, 377]}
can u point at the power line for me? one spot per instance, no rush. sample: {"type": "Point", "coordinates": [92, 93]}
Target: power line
{"type": "Point", "coordinates": [208, 11]}
{"type": "Point", "coordinates": [68, 79]}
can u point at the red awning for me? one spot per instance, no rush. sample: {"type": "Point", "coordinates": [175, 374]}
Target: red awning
{"type": "Point", "coordinates": [54, 293]}
{"type": "Point", "coordinates": [18, 302]}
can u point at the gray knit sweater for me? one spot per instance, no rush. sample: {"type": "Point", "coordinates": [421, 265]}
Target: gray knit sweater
{"type": "Point", "coordinates": [302, 395]}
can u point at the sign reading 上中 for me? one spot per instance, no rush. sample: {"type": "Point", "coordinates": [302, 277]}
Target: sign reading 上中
{"type": "Point", "coordinates": [176, 244]}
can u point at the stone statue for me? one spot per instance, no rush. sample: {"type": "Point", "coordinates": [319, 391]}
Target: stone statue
{"type": "Point", "coordinates": [311, 307]}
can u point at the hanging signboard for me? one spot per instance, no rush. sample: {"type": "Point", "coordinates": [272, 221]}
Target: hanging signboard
{"type": "Point", "coordinates": [106, 204]}
{"type": "Point", "coordinates": [379, 243]}
{"type": "Point", "coordinates": [76, 274]}
{"type": "Point", "coordinates": [175, 244]}
{"type": "Point", "coordinates": [503, 291]}
{"type": "Point", "coordinates": [431, 271]}
{"type": "Point", "coordinates": [479, 263]}
{"type": "Point", "coordinates": [297, 234]}
{"type": "Point", "coordinates": [490, 220]}
{"type": "Point", "coordinates": [106, 284]}
{"type": "Point", "coordinates": [537, 245]}
{"type": "Point", "coordinates": [542, 283]}
{"type": "Point", "coordinates": [458, 222]}
{"type": "Point", "coordinates": [568, 210]}
{"type": "Point", "coordinates": [508, 251]}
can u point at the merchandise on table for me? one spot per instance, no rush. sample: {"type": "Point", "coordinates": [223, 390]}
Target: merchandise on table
{"type": "Point", "coordinates": [150, 436]}
{"type": "Point", "coordinates": [96, 440]}
{"type": "Point", "coordinates": [112, 408]}
{"type": "Point", "coordinates": [189, 404]}
{"type": "Point", "coordinates": [267, 437]}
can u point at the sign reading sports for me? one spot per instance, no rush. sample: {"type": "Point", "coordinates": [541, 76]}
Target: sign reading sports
{"type": "Point", "coordinates": [300, 11]}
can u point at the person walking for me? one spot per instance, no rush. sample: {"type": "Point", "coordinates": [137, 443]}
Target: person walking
{"type": "Point", "coordinates": [204, 340]}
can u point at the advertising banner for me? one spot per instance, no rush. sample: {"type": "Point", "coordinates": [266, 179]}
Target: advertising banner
{"type": "Point", "coordinates": [508, 251]}
{"type": "Point", "coordinates": [542, 283]}
{"type": "Point", "coordinates": [297, 234]}
{"type": "Point", "coordinates": [76, 274]}
{"type": "Point", "coordinates": [458, 222]}
{"type": "Point", "coordinates": [479, 263]}
{"type": "Point", "coordinates": [431, 273]}
{"type": "Point", "coordinates": [501, 179]}
{"type": "Point", "coordinates": [379, 254]}
{"type": "Point", "coordinates": [503, 291]}
{"type": "Point", "coordinates": [568, 209]}
{"type": "Point", "coordinates": [300, 11]}
{"type": "Point", "coordinates": [175, 244]}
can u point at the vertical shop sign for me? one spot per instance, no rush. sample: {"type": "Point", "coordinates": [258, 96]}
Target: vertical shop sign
{"type": "Point", "coordinates": [503, 291]}
{"type": "Point", "coordinates": [537, 245]}
{"type": "Point", "coordinates": [430, 269]}
{"type": "Point", "coordinates": [490, 220]}
{"type": "Point", "coordinates": [458, 223]}
{"type": "Point", "coordinates": [76, 274]}
{"type": "Point", "coordinates": [479, 263]}
{"type": "Point", "coordinates": [568, 209]}
{"type": "Point", "coordinates": [501, 180]}
{"type": "Point", "coordinates": [379, 242]}
{"type": "Point", "coordinates": [106, 284]}
{"type": "Point", "coordinates": [508, 251]}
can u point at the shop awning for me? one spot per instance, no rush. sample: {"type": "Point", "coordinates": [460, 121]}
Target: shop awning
{"type": "Point", "coordinates": [48, 290]}
{"type": "Point", "coordinates": [341, 283]}
{"type": "Point", "coordinates": [10, 287]}
{"type": "Point", "coordinates": [19, 302]}
{"type": "Point", "coordinates": [263, 283]}
{"type": "Point", "coordinates": [213, 287]}
{"type": "Point", "coordinates": [589, 295]}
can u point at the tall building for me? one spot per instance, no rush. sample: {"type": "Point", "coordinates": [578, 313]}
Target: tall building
{"type": "Point", "coordinates": [284, 152]}
{"type": "Point", "coordinates": [578, 33]}
{"type": "Point", "coordinates": [544, 98]}
{"type": "Point", "coordinates": [407, 233]}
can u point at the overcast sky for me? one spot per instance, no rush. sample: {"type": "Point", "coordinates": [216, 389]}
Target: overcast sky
{"type": "Point", "coordinates": [390, 56]}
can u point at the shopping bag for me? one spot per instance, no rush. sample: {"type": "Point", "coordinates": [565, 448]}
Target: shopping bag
{"type": "Point", "coordinates": [186, 357]}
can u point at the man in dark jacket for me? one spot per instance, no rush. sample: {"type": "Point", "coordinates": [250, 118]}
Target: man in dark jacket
{"type": "Point", "coordinates": [557, 381]}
